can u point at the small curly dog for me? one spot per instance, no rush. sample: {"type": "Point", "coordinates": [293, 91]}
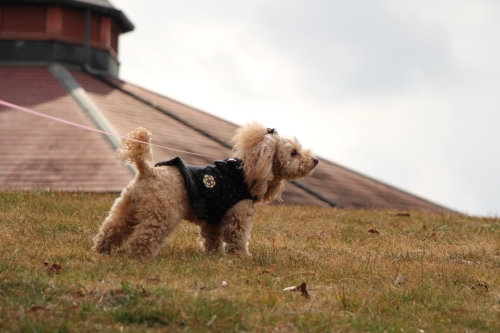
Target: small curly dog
{"type": "Point", "coordinates": [220, 199]}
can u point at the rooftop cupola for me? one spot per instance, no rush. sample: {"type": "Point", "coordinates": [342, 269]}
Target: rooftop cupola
{"type": "Point", "coordinates": [71, 32]}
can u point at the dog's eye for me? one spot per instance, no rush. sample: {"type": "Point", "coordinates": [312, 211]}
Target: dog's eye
{"type": "Point", "coordinates": [294, 153]}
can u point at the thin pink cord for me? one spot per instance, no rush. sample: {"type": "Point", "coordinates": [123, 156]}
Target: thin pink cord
{"type": "Point", "coordinates": [67, 122]}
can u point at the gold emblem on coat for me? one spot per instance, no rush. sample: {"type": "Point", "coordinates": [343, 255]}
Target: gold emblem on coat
{"type": "Point", "coordinates": [209, 181]}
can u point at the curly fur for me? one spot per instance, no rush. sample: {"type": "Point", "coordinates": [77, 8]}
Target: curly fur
{"type": "Point", "coordinates": [154, 203]}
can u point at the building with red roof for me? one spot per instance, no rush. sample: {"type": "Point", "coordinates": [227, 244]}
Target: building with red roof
{"type": "Point", "coordinates": [60, 58]}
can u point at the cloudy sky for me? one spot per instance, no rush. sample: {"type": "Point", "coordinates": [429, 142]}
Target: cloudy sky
{"type": "Point", "coordinates": [407, 92]}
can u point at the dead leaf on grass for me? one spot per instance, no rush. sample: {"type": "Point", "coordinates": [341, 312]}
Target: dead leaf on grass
{"type": "Point", "coordinates": [263, 283]}
{"type": "Point", "coordinates": [302, 288]}
{"type": "Point", "coordinates": [400, 279]}
{"type": "Point", "coordinates": [52, 269]}
{"type": "Point", "coordinates": [152, 279]}
{"type": "Point", "coordinates": [374, 231]}
{"type": "Point", "coordinates": [141, 288]}
{"type": "Point", "coordinates": [211, 320]}
{"type": "Point", "coordinates": [267, 271]}
{"type": "Point", "coordinates": [463, 262]}
{"type": "Point", "coordinates": [402, 214]}
{"type": "Point", "coordinates": [480, 287]}
{"type": "Point", "coordinates": [273, 241]}
{"type": "Point", "coordinates": [37, 309]}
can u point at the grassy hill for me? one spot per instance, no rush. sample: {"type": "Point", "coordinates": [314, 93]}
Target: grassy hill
{"type": "Point", "coordinates": [364, 271]}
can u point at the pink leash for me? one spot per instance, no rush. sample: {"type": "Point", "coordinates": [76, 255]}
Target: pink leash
{"type": "Point", "coordinates": [67, 122]}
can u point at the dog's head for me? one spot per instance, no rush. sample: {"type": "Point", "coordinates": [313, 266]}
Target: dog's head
{"type": "Point", "coordinates": [269, 160]}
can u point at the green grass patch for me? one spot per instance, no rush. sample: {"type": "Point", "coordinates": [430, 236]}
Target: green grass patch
{"type": "Point", "coordinates": [50, 281]}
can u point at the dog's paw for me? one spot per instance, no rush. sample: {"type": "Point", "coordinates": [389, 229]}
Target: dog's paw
{"type": "Point", "coordinates": [140, 252]}
{"type": "Point", "coordinates": [236, 250]}
{"type": "Point", "coordinates": [101, 246]}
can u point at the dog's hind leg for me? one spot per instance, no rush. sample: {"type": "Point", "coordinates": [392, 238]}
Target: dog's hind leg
{"type": "Point", "coordinates": [118, 225]}
{"type": "Point", "coordinates": [151, 234]}
{"type": "Point", "coordinates": [237, 225]}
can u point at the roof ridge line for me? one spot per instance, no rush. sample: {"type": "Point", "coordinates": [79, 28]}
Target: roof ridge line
{"type": "Point", "coordinates": [104, 79]}
{"type": "Point", "coordinates": [392, 187]}
{"type": "Point", "coordinates": [159, 94]}
{"type": "Point", "coordinates": [163, 110]}
{"type": "Point", "coordinates": [317, 194]}
{"type": "Point", "coordinates": [88, 106]}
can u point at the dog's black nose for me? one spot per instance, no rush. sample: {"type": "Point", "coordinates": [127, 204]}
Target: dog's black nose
{"type": "Point", "coordinates": [316, 161]}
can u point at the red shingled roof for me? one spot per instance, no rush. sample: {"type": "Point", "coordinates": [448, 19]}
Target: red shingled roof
{"type": "Point", "coordinates": [40, 153]}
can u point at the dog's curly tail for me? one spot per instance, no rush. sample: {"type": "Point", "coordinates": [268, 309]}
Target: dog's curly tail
{"type": "Point", "coordinates": [135, 152]}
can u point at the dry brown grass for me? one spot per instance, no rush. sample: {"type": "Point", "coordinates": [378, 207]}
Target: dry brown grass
{"type": "Point", "coordinates": [450, 265]}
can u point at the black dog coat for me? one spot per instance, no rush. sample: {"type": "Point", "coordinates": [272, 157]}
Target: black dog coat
{"type": "Point", "coordinates": [212, 190]}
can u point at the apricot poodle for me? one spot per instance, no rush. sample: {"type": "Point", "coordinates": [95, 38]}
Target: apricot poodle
{"type": "Point", "coordinates": [220, 198]}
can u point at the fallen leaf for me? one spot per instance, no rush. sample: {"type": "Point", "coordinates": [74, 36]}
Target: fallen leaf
{"type": "Point", "coordinates": [292, 288]}
{"type": "Point", "coordinates": [153, 279]}
{"type": "Point", "coordinates": [141, 288]}
{"type": "Point", "coordinates": [211, 320]}
{"type": "Point", "coordinates": [273, 241]}
{"type": "Point", "coordinates": [268, 271]}
{"type": "Point", "coordinates": [54, 269]}
{"type": "Point", "coordinates": [262, 283]}
{"type": "Point", "coordinates": [402, 214]}
{"type": "Point", "coordinates": [463, 262]}
{"type": "Point", "coordinates": [400, 279]}
{"type": "Point", "coordinates": [302, 288]}
{"type": "Point", "coordinates": [374, 231]}
{"type": "Point", "coordinates": [480, 287]}
{"type": "Point", "coordinates": [37, 309]}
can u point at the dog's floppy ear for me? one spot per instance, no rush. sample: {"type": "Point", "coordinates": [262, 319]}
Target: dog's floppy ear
{"type": "Point", "coordinates": [259, 172]}
{"type": "Point", "coordinates": [255, 146]}
{"type": "Point", "coordinates": [274, 191]}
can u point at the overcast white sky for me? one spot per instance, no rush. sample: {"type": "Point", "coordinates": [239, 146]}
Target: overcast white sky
{"type": "Point", "coordinates": [407, 92]}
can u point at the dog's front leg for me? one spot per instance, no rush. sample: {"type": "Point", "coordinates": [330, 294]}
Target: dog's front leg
{"type": "Point", "coordinates": [237, 226]}
{"type": "Point", "coordinates": [211, 234]}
